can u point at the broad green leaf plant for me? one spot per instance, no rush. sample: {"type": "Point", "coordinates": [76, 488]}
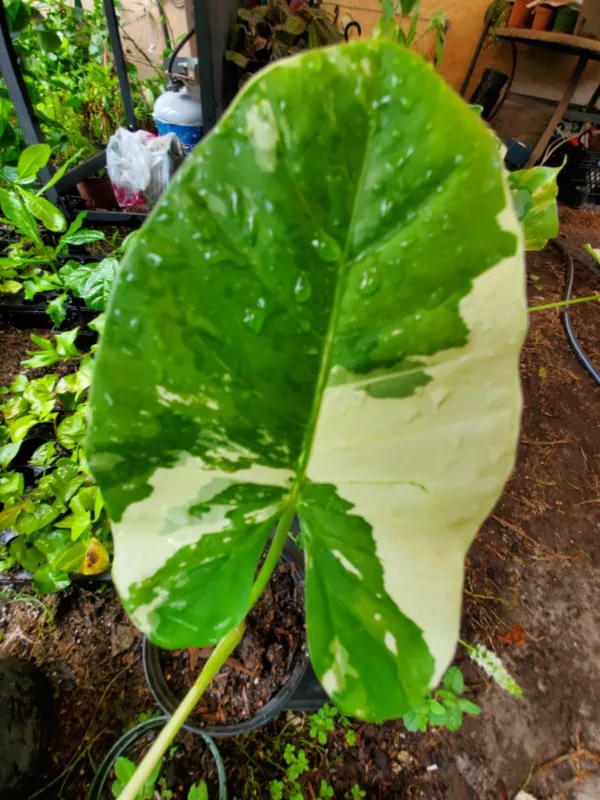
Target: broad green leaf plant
{"type": "Point", "coordinates": [534, 194]}
{"type": "Point", "coordinates": [62, 51]}
{"type": "Point", "coordinates": [31, 263]}
{"type": "Point", "coordinates": [322, 318]}
{"type": "Point", "coordinates": [59, 523]}
{"type": "Point", "coordinates": [387, 27]}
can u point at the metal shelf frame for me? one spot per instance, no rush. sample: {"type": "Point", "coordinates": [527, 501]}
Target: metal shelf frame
{"type": "Point", "coordinates": [208, 16]}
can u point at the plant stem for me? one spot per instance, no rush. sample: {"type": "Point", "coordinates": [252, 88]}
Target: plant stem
{"type": "Point", "coordinates": [281, 534]}
{"type": "Point", "coordinates": [565, 303]}
{"type": "Point", "coordinates": [218, 657]}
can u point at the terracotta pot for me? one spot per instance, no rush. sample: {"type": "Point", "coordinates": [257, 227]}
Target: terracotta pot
{"type": "Point", "coordinates": [543, 18]}
{"type": "Point", "coordinates": [520, 16]}
{"type": "Point", "coordinates": [98, 193]}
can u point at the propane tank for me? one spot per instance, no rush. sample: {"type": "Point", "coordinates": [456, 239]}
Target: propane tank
{"type": "Point", "coordinates": [179, 111]}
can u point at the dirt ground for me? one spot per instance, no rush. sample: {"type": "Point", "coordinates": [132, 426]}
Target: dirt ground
{"type": "Point", "coordinates": [531, 593]}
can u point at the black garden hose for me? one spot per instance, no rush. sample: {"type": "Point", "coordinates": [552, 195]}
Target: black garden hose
{"type": "Point", "coordinates": [178, 48]}
{"type": "Point", "coordinates": [348, 28]}
{"type": "Point", "coordinates": [579, 352]}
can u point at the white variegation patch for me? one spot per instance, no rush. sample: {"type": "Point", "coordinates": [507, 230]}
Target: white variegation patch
{"type": "Point", "coordinates": [262, 128]}
{"type": "Point", "coordinates": [334, 679]}
{"type": "Point", "coordinates": [167, 398]}
{"type": "Point", "coordinates": [152, 530]}
{"type": "Point", "coordinates": [346, 564]}
{"type": "Point", "coordinates": [425, 470]}
{"type": "Point", "coordinates": [141, 615]}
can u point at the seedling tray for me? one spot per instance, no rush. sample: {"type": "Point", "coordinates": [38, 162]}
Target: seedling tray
{"type": "Point", "coordinates": [32, 314]}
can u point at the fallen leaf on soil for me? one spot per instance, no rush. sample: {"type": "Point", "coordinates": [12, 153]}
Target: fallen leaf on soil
{"type": "Point", "coordinates": [515, 636]}
{"type": "Point", "coordinates": [232, 662]}
{"type": "Point", "coordinates": [193, 651]}
{"type": "Point", "coordinates": [122, 638]}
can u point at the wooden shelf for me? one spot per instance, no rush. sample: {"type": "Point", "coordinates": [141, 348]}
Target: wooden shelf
{"type": "Point", "coordinates": [563, 42]}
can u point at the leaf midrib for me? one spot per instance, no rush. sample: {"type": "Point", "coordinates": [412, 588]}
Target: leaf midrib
{"type": "Point", "coordinates": [330, 336]}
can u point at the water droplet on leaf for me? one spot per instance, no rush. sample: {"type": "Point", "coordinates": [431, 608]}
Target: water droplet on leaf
{"type": "Point", "coordinates": [327, 248]}
{"type": "Point", "coordinates": [369, 282]}
{"type": "Point", "coordinates": [303, 289]}
{"type": "Point", "coordinates": [254, 318]}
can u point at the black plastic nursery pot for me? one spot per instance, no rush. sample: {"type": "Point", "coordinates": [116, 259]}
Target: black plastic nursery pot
{"type": "Point", "coordinates": [26, 718]}
{"type": "Point", "coordinates": [301, 675]}
{"type": "Point", "coordinates": [34, 316]}
{"type": "Point", "coordinates": [16, 312]}
{"type": "Point", "coordinates": [99, 788]}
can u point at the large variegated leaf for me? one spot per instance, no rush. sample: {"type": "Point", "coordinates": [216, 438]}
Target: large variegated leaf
{"type": "Point", "coordinates": [323, 314]}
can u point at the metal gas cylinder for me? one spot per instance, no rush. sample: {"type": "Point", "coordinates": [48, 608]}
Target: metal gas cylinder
{"type": "Point", "coordinates": [179, 111]}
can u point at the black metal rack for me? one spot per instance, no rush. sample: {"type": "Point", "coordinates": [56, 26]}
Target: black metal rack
{"type": "Point", "coordinates": [211, 19]}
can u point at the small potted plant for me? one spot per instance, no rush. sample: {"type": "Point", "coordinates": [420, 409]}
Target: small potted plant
{"type": "Point", "coordinates": [191, 770]}
{"type": "Point", "coordinates": [262, 673]}
{"type": "Point", "coordinates": [354, 310]}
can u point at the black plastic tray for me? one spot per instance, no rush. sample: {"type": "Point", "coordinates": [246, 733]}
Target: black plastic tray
{"type": "Point", "coordinates": [31, 314]}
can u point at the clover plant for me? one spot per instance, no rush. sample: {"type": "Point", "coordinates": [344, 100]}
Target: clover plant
{"type": "Point", "coordinates": [445, 707]}
{"type": "Point", "coordinates": [322, 318]}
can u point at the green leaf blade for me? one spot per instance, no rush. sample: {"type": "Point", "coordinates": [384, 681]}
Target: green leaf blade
{"type": "Point", "coordinates": [18, 215]}
{"type": "Point", "coordinates": [56, 309]}
{"type": "Point", "coordinates": [31, 161]}
{"type": "Point", "coordinates": [42, 209]}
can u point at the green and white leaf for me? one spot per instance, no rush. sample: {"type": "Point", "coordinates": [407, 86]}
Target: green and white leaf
{"type": "Point", "coordinates": [534, 194]}
{"type": "Point", "coordinates": [322, 320]}
{"type": "Point", "coordinates": [493, 666]}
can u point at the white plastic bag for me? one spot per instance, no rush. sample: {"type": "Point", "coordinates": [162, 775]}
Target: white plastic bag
{"type": "Point", "coordinates": [140, 165]}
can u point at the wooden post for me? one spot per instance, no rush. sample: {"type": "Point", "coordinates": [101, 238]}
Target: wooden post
{"type": "Point", "coordinates": [559, 113]}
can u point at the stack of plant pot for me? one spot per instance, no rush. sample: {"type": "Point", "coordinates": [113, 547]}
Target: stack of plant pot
{"type": "Point", "coordinates": [560, 16]}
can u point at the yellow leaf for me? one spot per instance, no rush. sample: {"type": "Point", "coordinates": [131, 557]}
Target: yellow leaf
{"type": "Point", "coordinates": [96, 558]}
{"type": "Point", "coordinates": [11, 287]}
